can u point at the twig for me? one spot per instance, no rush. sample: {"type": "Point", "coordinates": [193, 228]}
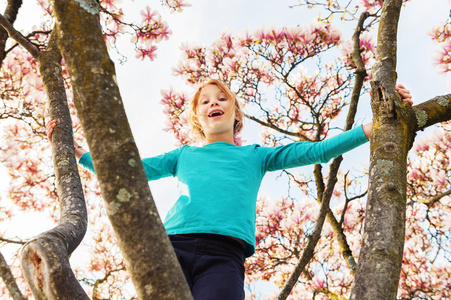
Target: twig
{"type": "Point", "coordinates": [434, 199]}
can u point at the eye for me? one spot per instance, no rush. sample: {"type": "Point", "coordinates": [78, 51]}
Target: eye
{"type": "Point", "coordinates": [222, 99]}
{"type": "Point", "coordinates": [204, 101]}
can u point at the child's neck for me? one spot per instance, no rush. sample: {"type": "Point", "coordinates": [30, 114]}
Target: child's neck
{"type": "Point", "coordinates": [224, 138]}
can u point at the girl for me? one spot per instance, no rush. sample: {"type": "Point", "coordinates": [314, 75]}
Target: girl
{"type": "Point", "coordinates": [212, 224]}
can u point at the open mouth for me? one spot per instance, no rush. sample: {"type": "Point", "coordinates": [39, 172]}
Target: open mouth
{"type": "Point", "coordinates": [215, 113]}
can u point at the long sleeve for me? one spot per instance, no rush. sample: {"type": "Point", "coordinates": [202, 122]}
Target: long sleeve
{"type": "Point", "coordinates": [161, 166]}
{"type": "Point", "coordinates": [307, 153]}
{"type": "Point", "coordinates": [157, 167]}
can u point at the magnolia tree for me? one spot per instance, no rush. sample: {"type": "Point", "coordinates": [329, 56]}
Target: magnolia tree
{"type": "Point", "coordinates": [285, 84]}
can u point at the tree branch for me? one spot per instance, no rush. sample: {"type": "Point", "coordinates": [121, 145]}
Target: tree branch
{"type": "Point", "coordinates": [434, 199]}
{"type": "Point", "coordinates": [325, 193]}
{"type": "Point", "coordinates": [45, 258]}
{"type": "Point", "coordinates": [11, 241]}
{"type": "Point", "coordinates": [148, 253]}
{"type": "Point", "coordinates": [10, 15]}
{"type": "Point", "coordinates": [316, 234]}
{"type": "Point", "coordinates": [8, 279]}
{"type": "Point", "coordinates": [272, 126]}
{"type": "Point", "coordinates": [102, 280]}
{"type": "Point", "coordinates": [18, 37]}
{"type": "Point", "coordinates": [433, 111]}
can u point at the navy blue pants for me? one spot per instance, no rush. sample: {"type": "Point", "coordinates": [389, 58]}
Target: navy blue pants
{"type": "Point", "coordinates": [213, 265]}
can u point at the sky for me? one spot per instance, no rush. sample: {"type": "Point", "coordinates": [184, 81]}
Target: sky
{"type": "Point", "coordinates": [141, 82]}
{"type": "Point", "coordinates": [205, 20]}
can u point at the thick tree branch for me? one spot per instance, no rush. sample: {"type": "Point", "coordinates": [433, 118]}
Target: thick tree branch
{"type": "Point", "coordinates": [148, 254]}
{"type": "Point", "coordinates": [19, 38]}
{"type": "Point", "coordinates": [10, 14]}
{"type": "Point", "coordinates": [45, 258]}
{"type": "Point", "coordinates": [8, 279]}
{"type": "Point", "coordinates": [12, 9]}
{"type": "Point", "coordinates": [432, 111]}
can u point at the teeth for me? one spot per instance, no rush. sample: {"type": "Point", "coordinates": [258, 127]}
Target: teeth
{"type": "Point", "coordinates": [215, 113]}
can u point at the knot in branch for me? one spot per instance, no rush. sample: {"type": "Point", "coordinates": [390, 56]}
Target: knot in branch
{"type": "Point", "coordinates": [387, 103]}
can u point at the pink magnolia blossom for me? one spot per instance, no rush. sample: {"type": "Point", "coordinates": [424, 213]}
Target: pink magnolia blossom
{"type": "Point", "coordinates": [441, 35]}
{"type": "Point", "coordinates": [148, 14]}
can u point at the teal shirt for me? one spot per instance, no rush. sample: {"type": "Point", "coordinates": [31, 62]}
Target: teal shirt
{"type": "Point", "coordinates": [218, 183]}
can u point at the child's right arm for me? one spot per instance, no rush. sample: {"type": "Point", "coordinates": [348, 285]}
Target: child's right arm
{"type": "Point", "coordinates": [155, 167]}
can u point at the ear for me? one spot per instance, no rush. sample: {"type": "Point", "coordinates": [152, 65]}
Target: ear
{"type": "Point", "coordinates": [237, 113]}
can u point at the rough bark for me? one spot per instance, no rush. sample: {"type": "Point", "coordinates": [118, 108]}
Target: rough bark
{"type": "Point", "coordinates": [8, 279]}
{"type": "Point", "coordinates": [432, 111]}
{"type": "Point", "coordinates": [394, 130]}
{"type": "Point", "coordinates": [10, 14]}
{"type": "Point", "coordinates": [45, 258]}
{"type": "Point", "coordinates": [148, 254]}
{"type": "Point", "coordinates": [324, 193]}
{"type": "Point", "coordinates": [380, 260]}
{"type": "Point", "coordinates": [18, 37]}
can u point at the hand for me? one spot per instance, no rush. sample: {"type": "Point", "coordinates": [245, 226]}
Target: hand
{"type": "Point", "coordinates": [79, 151]}
{"type": "Point", "coordinates": [49, 129]}
{"type": "Point", "coordinates": [367, 129]}
{"type": "Point", "coordinates": [405, 96]}
{"type": "Point", "coordinates": [404, 93]}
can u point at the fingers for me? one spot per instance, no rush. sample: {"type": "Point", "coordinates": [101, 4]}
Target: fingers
{"type": "Point", "coordinates": [49, 128]}
{"type": "Point", "coordinates": [404, 93]}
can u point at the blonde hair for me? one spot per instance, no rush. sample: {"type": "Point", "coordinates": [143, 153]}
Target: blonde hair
{"type": "Point", "coordinates": [193, 116]}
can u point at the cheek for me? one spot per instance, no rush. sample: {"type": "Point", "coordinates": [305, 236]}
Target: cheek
{"type": "Point", "coordinates": [201, 116]}
{"type": "Point", "coordinates": [201, 109]}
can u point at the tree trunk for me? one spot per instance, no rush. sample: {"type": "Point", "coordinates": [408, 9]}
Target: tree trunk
{"type": "Point", "coordinates": [394, 126]}
{"type": "Point", "coordinates": [45, 258]}
{"type": "Point", "coordinates": [148, 254]}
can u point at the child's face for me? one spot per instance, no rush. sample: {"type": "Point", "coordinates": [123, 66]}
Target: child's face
{"type": "Point", "coordinates": [215, 111]}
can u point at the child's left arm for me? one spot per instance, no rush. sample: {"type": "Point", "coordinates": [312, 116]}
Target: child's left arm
{"type": "Point", "coordinates": [405, 96]}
